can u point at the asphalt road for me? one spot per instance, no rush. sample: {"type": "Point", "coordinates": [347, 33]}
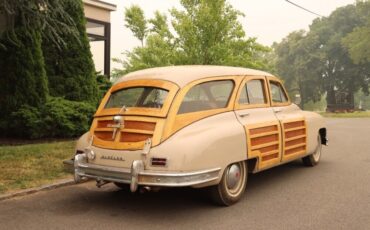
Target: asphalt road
{"type": "Point", "coordinates": [333, 195]}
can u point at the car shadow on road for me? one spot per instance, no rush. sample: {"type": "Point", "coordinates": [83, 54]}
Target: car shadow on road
{"type": "Point", "coordinates": [117, 202]}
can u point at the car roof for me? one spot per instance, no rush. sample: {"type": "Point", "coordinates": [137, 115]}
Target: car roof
{"type": "Point", "coordinates": [182, 75]}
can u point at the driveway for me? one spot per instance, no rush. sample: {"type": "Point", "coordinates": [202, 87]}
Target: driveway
{"type": "Point", "coordinates": [333, 195]}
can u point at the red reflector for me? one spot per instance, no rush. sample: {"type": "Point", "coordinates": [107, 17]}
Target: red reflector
{"type": "Point", "coordinates": [158, 161]}
{"type": "Point", "coordinates": [79, 152]}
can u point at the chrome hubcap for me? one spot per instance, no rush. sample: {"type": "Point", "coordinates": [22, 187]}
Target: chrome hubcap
{"type": "Point", "coordinates": [233, 176]}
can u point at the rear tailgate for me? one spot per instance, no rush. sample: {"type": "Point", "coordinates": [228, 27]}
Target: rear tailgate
{"type": "Point", "coordinates": [138, 122]}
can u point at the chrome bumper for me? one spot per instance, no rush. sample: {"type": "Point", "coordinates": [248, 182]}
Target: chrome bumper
{"type": "Point", "coordinates": [137, 175]}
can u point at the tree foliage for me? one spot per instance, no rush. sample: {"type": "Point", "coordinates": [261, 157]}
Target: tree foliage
{"type": "Point", "coordinates": [56, 118]}
{"type": "Point", "coordinates": [357, 42]}
{"type": "Point", "coordinates": [27, 110]}
{"type": "Point", "coordinates": [46, 16]}
{"type": "Point", "coordinates": [317, 61]}
{"type": "Point", "coordinates": [205, 32]}
{"type": "Point", "coordinates": [23, 80]}
{"type": "Point", "coordinates": [298, 67]}
{"type": "Point", "coordinates": [136, 22]}
{"type": "Point", "coordinates": [70, 69]}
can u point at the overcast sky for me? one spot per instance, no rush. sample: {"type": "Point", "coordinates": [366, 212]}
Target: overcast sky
{"type": "Point", "coordinates": [267, 20]}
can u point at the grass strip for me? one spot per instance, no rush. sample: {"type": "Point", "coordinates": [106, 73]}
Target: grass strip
{"type": "Point", "coordinates": [33, 165]}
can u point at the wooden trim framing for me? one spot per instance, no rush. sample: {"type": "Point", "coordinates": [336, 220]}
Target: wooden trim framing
{"type": "Point", "coordinates": [294, 143]}
{"type": "Point", "coordinates": [251, 106]}
{"type": "Point", "coordinates": [155, 112]}
{"type": "Point", "coordinates": [177, 121]}
{"type": "Point", "coordinates": [264, 143]}
{"type": "Point", "coordinates": [136, 130]}
{"type": "Point", "coordinates": [275, 104]}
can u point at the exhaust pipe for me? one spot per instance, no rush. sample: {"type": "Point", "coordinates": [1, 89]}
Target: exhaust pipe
{"type": "Point", "coordinates": [100, 183]}
{"type": "Point", "coordinates": [145, 189]}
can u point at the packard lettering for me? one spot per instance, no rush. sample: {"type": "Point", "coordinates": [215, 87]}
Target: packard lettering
{"type": "Point", "coordinates": [113, 158]}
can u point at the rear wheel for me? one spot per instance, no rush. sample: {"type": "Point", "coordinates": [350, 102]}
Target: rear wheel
{"type": "Point", "coordinates": [314, 158]}
{"type": "Point", "coordinates": [232, 185]}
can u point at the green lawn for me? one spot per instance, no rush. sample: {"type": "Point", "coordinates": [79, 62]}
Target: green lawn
{"type": "Point", "coordinates": [32, 165]}
{"type": "Point", "coordinates": [347, 115]}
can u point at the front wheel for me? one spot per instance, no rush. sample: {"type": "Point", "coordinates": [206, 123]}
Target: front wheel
{"type": "Point", "coordinates": [314, 158]}
{"type": "Point", "coordinates": [232, 185]}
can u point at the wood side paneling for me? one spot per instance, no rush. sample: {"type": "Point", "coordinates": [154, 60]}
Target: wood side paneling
{"type": "Point", "coordinates": [266, 141]}
{"type": "Point", "coordinates": [295, 142]}
{"type": "Point", "coordinates": [104, 135]}
{"type": "Point", "coordinates": [104, 123]}
{"type": "Point", "coordinates": [295, 150]}
{"type": "Point", "coordinates": [269, 148]}
{"type": "Point", "coordinates": [133, 137]}
{"type": "Point", "coordinates": [270, 157]}
{"type": "Point", "coordinates": [263, 129]}
{"type": "Point", "coordinates": [289, 134]}
{"type": "Point", "coordinates": [294, 124]}
{"type": "Point", "coordinates": [140, 125]}
{"type": "Point", "coordinates": [295, 139]}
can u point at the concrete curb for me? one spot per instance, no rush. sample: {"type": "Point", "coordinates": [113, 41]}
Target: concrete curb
{"type": "Point", "coordinates": [29, 191]}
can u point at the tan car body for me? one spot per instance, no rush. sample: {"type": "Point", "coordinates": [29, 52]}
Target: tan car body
{"type": "Point", "coordinates": [197, 146]}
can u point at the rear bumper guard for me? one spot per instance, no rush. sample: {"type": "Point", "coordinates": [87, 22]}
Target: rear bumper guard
{"type": "Point", "coordinates": [137, 175]}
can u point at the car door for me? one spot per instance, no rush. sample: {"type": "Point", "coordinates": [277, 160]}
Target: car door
{"type": "Point", "coordinates": [252, 108]}
{"type": "Point", "coordinates": [292, 121]}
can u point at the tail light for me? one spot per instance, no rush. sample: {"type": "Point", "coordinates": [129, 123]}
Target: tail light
{"type": "Point", "coordinates": [158, 162]}
{"type": "Point", "coordinates": [79, 152]}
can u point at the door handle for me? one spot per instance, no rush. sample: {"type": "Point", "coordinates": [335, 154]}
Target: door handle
{"type": "Point", "coordinates": [277, 110]}
{"type": "Point", "coordinates": [244, 115]}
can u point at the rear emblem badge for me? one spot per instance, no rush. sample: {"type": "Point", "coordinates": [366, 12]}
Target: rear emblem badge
{"type": "Point", "coordinates": [113, 158]}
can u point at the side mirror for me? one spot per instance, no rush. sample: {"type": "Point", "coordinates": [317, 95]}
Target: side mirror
{"type": "Point", "coordinates": [297, 99]}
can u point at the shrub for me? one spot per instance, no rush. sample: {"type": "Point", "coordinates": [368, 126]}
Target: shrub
{"type": "Point", "coordinates": [23, 80]}
{"type": "Point", "coordinates": [70, 69]}
{"type": "Point", "coordinates": [104, 84]}
{"type": "Point", "coordinates": [57, 118]}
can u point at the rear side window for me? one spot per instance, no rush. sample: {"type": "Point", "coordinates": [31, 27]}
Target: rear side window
{"type": "Point", "coordinates": [207, 96]}
{"type": "Point", "coordinates": [253, 93]}
{"type": "Point", "coordinates": [277, 92]}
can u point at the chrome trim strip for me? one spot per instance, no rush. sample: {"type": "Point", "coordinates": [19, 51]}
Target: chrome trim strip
{"type": "Point", "coordinates": [138, 176]}
{"type": "Point", "coordinates": [179, 174]}
{"type": "Point", "coordinates": [104, 168]}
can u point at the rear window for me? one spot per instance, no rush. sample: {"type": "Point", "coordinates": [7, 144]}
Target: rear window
{"type": "Point", "coordinates": [147, 97]}
{"type": "Point", "coordinates": [207, 96]}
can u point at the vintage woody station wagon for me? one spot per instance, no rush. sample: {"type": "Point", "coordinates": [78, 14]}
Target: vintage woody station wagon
{"type": "Point", "coordinates": [198, 126]}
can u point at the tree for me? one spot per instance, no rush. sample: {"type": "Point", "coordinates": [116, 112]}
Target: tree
{"type": "Point", "coordinates": [23, 80]}
{"type": "Point", "coordinates": [70, 69]}
{"type": "Point", "coordinates": [340, 73]}
{"type": "Point", "coordinates": [205, 32]}
{"type": "Point", "coordinates": [136, 22]}
{"type": "Point", "coordinates": [317, 62]}
{"type": "Point", "coordinates": [46, 16]}
{"type": "Point", "coordinates": [27, 110]}
{"type": "Point", "coordinates": [358, 44]}
{"type": "Point", "coordinates": [298, 68]}
{"type": "Point", "coordinates": [358, 41]}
